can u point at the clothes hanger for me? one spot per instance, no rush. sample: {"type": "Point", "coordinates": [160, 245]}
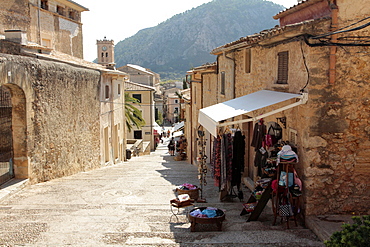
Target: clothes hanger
{"type": "Point", "coordinates": [219, 132]}
{"type": "Point", "coordinates": [227, 130]}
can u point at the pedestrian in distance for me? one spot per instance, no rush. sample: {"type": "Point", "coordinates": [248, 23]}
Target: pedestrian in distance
{"type": "Point", "coordinates": [171, 147]}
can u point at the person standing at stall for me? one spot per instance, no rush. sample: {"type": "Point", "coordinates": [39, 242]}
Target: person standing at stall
{"type": "Point", "coordinates": [171, 147]}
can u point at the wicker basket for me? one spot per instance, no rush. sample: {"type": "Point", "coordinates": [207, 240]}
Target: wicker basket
{"type": "Point", "coordinates": [194, 194]}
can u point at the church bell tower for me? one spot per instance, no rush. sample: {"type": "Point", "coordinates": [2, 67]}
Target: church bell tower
{"type": "Point", "coordinates": [106, 53]}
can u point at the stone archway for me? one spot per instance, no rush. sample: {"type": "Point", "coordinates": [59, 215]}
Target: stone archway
{"type": "Point", "coordinates": [6, 138]}
{"type": "Point", "coordinates": [19, 130]}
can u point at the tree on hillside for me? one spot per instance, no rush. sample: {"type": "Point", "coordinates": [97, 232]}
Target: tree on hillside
{"type": "Point", "coordinates": [184, 84]}
{"type": "Point", "coordinates": [180, 95]}
{"type": "Point", "coordinates": [133, 115]}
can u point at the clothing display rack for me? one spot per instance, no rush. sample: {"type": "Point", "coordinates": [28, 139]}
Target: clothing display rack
{"type": "Point", "coordinates": [261, 204]}
{"type": "Point", "coordinates": [227, 163]}
{"type": "Point", "coordinates": [202, 167]}
{"type": "Point", "coordinates": [282, 196]}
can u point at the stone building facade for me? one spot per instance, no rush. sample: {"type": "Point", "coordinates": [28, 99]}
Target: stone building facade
{"type": "Point", "coordinates": [62, 117]}
{"type": "Point", "coordinates": [145, 95]}
{"type": "Point", "coordinates": [203, 93]}
{"type": "Point", "coordinates": [52, 135]}
{"type": "Point", "coordinates": [331, 130]}
{"type": "Point", "coordinates": [140, 75]}
{"type": "Point", "coordinates": [55, 24]}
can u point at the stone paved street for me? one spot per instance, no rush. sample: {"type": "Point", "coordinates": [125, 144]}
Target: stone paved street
{"type": "Point", "coordinates": [128, 205]}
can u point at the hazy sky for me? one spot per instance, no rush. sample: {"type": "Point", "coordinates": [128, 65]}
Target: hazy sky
{"type": "Point", "coordinates": [120, 19]}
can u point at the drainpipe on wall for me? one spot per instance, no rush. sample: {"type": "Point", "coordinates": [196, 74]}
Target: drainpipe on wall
{"type": "Point", "coordinates": [333, 49]}
{"type": "Point", "coordinates": [191, 123]}
{"type": "Point", "coordinates": [38, 20]}
{"type": "Point", "coordinates": [111, 106]}
{"type": "Point", "coordinates": [151, 121]}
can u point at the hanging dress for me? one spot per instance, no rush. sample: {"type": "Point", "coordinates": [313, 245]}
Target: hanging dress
{"type": "Point", "coordinates": [216, 161]}
{"type": "Point", "coordinates": [238, 158]}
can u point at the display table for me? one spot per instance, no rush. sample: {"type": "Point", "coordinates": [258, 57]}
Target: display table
{"type": "Point", "coordinates": [199, 220]}
{"type": "Point", "coordinates": [176, 205]}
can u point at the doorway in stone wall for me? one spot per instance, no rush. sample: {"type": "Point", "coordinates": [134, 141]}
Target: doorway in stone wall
{"type": "Point", "coordinates": [13, 141]}
{"type": "Point", "coordinates": [6, 137]}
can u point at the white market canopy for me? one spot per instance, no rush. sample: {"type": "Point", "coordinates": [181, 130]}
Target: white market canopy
{"type": "Point", "coordinates": [179, 126]}
{"type": "Point", "coordinates": [157, 128]}
{"type": "Point", "coordinates": [210, 117]}
{"type": "Point", "coordinates": [177, 133]}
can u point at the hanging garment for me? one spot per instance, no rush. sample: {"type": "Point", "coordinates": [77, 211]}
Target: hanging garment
{"type": "Point", "coordinates": [216, 161]}
{"type": "Point", "coordinates": [238, 158]}
{"type": "Point", "coordinates": [226, 160]}
{"type": "Point", "coordinates": [258, 135]}
{"type": "Point", "coordinates": [260, 160]}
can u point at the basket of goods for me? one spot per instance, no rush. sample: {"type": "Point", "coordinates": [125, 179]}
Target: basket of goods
{"type": "Point", "coordinates": [206, 215]}
{"type": "Point", "coordinates": [190, 189]}
{"type": "Point", "coordinates": [182, 201]}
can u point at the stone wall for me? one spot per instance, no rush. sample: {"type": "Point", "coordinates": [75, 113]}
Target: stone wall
{"type": "Point", "coordinates": [14, 15]}
{"type": "Point", "coordinates": [332, 128]}
{"type": "Point", "coordinates": [62, 115]}
{"type": "Point", "coordinates": [340, 166]}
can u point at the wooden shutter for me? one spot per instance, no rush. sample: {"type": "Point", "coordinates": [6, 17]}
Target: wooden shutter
{"type": "Point", "coordinates": [283, 62]}
{"type": "Point", "coordinates": [248, 54]}
{"type": "Point", "coordinates": [223, 83]}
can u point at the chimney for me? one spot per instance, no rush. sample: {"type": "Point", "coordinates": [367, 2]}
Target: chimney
{"type": "Point", "coordinates": [16, 36]}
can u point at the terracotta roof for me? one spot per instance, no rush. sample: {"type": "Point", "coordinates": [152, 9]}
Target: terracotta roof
{"type": "Point", "coordinates": [137, 67]}
{"type": "Point", "coordinates": [62, 57]}
{"type": "Point", "coordinates": [207, 67]}
{"type": "Point", "coordinates": [82, 8]}
{"type": "Point", "coordinates": [263, 37]}
{"type": "Point", "coordinates": [295, 8]}
{"type": "Point", "coordinates": [133, 86]}
{"type": "Point", "coordinates": [186, 94]}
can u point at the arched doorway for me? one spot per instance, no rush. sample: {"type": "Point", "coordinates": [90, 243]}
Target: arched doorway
{"type": "Point", "coordinates": [13, 144]}
{"type": "Point", "coordinates": [6, 137]}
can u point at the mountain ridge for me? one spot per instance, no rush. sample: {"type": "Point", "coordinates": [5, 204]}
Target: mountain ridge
{"type": "Point", "coordinates": [185, 40]}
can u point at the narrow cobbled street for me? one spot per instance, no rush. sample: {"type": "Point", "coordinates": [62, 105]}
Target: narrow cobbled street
{"type": "Point", "coordinates": [128, 205]}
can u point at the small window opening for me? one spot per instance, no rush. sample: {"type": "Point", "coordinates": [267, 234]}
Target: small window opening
{"type": "Point", "coordinates": [248, 58]}
{"type": "Point", "coordinates": [223, 83]}
{"type": "Point", "coordinates": [72, 15]}
{"type": "Point", "coordinates": [137, 96]}
{"type": "Point", "coordinates": [60, 10]}
{"type": "Point", "coordinates": [44, 4]}
{"type": "Point", "coordinates": [106, 92]}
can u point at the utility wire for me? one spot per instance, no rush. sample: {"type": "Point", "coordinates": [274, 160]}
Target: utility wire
{"type": "Point", "coordinates": [344, 31]}
{"type": "Point", "coordinates": [305, 65]}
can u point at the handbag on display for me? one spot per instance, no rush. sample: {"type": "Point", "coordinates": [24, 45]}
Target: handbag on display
{"type": "Point", "coordinates": [285, 208]}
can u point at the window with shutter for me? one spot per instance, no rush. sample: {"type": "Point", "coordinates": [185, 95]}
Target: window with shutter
{"type": "Point", "coordinates": [248, 57]}
{"type": "Point", "coordinates": [222, 83]}
{"type": "Point", "coordinates": [283, 62]}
